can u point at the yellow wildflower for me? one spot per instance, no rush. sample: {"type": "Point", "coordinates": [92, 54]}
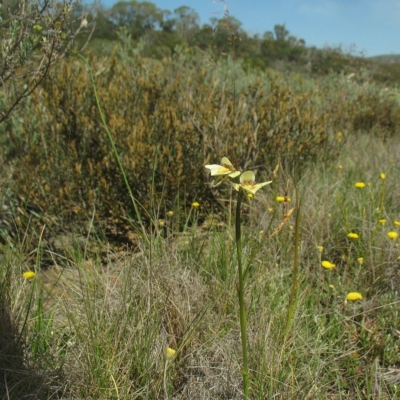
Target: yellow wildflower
{"type": "Point", "coordinates": [353, 296]}
{"type": "Point", "coordinates": [248, 184]}
{"type": "Point", "coordinates": [223, 171]}
{"type": "Point", "coordinates": [382, 175]}
{"type": "Point", "coordinates": [396, 223]}
{"type": "Point", "coordinates": [250, 195]}
{"type": "Point", "coordinates": [29, 275]}
{"type": "Point", "coordinates": [281, 199]}
{"type": "Point", "coordinates": [392, 235]}
{"type": "Point", "coordinates": [161, 222]}
{"type": "Point", "coordinates": [195, 204]}
{"type": "Point", "coordinates": [352, 235]}
{"type": "Point", "coordinates": [382, 221]}
{"type": "Point", "coordinates": [359, 185]}
{"type": "Point", "coordinates": [320, 249]}
{"type": "Point", "coordinates": [360, 260]}
{"type": "Point", "coordinates": [170, 213]}
{"type": "Point", "coordinates": [169, 353]}
{"type": "Point", "coordinates": [327, 265]}
{"type": "Point", "coordinates": [270, 210]}
{"type": "Point", "coordinates": [340, 166]}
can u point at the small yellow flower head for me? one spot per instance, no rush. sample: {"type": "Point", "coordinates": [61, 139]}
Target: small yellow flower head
{"type": "Point", "coordinates": [382, 221]}
{"type": "Point", "coordinates": [329, 215]}
{"type": "Point", "coordinates": [369, 184]}
{"type": "Point", "coordinates": [396, 223]}
{"type": "Point", "coordinates": [320, 249]}
{"type": "Point", "coordinates": [223, 171]}
{"type": "Point", "coordinates": [359, 185]}
{"type": "Point", "coordinates": [250, 195]}
{"type": "Point", "coordinates": [327, 265]}
{"type": "Point", "coordinates": [339, 136]}
{"type": "Point", "coordinates": [37, 28]}
{"type": "Point", "coordinates": [281, 199]}
{"type": "Point", "coordinates": [354, 296]}
{"type": "Point", "coordinates": [352, 235]}
{"type": "Point", "coordinates": [170, 213]}
{"type": "Point", "coordinates": [340, 166]}
{"type": "Point", "coordinates": [360, 260]}
{"type": "Point", "coordinates": [169, 353]}
{"type": "Point", "coordinates": [270, 210]}
{"type": "Point", "coordinates": [29, 275]}
{"type": "Point", "coordinates": [392, 235]}
{"type": "Point", "coordinates": [195, 204]}
{"type": "Point", "coordinates": [331, 287]}
{"type": "Point", "coordinates": [382, 175]}
{"type": "Point", "coordinates": [161, 222]}
{"type": "Point", "coordinates": [248, 184]}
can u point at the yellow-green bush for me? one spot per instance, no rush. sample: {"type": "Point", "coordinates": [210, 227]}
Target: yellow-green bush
{"type": "Point", "coordinates": [168, 120]}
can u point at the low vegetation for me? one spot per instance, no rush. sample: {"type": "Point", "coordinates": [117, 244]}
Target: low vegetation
{"type": "Point", "coordinates": [119, 275]}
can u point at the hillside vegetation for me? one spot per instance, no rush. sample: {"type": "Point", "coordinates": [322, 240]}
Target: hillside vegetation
{"type": "Point", "coordinates": [132, 284]}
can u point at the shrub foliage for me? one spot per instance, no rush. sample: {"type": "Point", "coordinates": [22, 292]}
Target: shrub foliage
{"type": "Point", "coordinates": [168, 119]}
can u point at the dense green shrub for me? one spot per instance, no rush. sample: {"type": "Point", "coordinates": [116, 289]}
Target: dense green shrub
{"type": "Point", "coordinates": [168, 119]}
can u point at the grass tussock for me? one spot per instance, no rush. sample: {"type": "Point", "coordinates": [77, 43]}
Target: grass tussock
{"type": "Point", "coordinates": [97, 328]}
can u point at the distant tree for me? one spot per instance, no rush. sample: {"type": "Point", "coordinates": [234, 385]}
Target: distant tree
{"type": "Point", "coordinates": [281, 33]}
{"type": "Point", "coordinates": [281, 46]}
{"type": "Point", "coordinates": [105, 27]}
{"type": "Point", "coordinates": [186, 22]}
{"type": "Point", "coordinates": [227, 34]}
{"type": "Point", "coordinates": [139, 17]}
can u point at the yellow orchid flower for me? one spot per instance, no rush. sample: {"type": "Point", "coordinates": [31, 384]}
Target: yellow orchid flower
{"type": "Point", "coordinates": [223, 171]}
{"type": "Point", "coordinates": [248, 184]}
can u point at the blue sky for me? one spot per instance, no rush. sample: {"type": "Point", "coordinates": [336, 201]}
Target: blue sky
{"type": "Point", "coordinates": [370, 27]}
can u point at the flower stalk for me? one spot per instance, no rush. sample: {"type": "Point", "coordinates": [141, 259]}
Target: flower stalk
{"type": "Point", "coordinates": [295, 284]}
{"type": "Point", "coordinates": [241, 286]}
{"type": "Point", "coordinates": [247, 187]}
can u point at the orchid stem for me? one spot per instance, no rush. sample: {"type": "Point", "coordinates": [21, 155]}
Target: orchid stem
{"type": "Point", "coordinates": [242, 311]}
